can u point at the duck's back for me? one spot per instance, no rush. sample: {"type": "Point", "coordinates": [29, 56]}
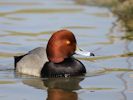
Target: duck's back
{"type": "Point", "coordinates": [32, 62]}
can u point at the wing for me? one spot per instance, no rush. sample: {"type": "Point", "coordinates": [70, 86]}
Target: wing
{"type": "Point", "coordinates": [32, 62]}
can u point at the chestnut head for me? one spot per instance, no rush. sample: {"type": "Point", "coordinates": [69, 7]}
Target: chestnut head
{"type": "Point", "coordinates": [61, 45]}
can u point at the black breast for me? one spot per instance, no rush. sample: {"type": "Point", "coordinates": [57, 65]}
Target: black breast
{"type": "Point", "coordinates": [69, 67]}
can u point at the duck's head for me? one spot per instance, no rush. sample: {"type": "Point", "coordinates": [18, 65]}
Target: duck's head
{"type": "Point", "coordinates": [62, 45]}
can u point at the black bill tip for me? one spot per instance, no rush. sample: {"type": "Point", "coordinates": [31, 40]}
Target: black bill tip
{"type": "Point", "coordinates": [92, 54]}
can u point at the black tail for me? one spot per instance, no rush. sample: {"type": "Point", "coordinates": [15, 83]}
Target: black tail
{"type": "Point", "coordinates": [17, 59]}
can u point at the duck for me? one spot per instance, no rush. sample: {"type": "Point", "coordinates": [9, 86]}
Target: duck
{"type": "Point", "coordinates": [54, 60]}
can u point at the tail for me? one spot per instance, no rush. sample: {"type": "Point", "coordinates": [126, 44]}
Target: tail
{"type": "Point", "coordinates": [17, 59]}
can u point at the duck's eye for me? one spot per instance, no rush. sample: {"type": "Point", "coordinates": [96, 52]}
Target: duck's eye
{"type": "Point", "coordinates": [68, 42]}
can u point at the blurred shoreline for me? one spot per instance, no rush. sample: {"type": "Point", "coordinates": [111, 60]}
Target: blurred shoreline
{"type": "Point", "coordinates": [123, 9]}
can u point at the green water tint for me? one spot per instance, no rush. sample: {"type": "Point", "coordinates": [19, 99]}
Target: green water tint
{"type": "Point", "coordinates": [38, 39]}
{"type": "Point", "coordinates": [105, 3]}
{"type": "Point", "coordinates": [118, 70]}
{"type": "Point", "coordinates": [8, 54]}
{"type": "Point", "coordinates": [79, 27]}
{"type": "Point", "coordinates": [15, 18]}
{"type": "Point", "coordinates": [8, 43]}
{"type": "Point", "coordinates": [97, 88]}
{"type": "Point", "coordinates": [7, 82]}
{"type": "Point", "coordinates": [101, 14]}
{"type": "Point", "coordinates": [14, 33]}
{"type": "Point", "coordinates": [37, 11]}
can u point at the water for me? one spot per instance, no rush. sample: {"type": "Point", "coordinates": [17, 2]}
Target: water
{"type": "Point", "coordinates": [28, 24]}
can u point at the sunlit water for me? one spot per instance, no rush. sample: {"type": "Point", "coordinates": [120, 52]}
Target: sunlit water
{"type": "Point", "coordinates": [28, 24]}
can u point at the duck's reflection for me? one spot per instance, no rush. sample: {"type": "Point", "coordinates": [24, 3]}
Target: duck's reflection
{"type": "Point", "coordinates": [57, 88]}
{"type": "Point", "coordinates": [59, 94]}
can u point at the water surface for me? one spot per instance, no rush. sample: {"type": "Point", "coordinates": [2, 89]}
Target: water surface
{"type": "Point", "coordinates": [28, 24]}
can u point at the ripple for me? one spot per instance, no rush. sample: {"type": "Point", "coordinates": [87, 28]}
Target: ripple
{"type": "Point", "coordinates": [39, 39]}
{"type": "Point", "coordinates": [29, 11]}
{"type": "Point", "coordinates": [98, 88]}
{"type": "Point", "coordinates": [15, 18]}
{"type": "Point", "coordinates": [9, 43]}
{"type": "Point", "coordinates": [118, 70]}
{"type": "Point", "coordinates": [9, 54]}
{"type": "Point", "coordinates": [80, 27]}
{"type": "Point", "coordinates": [15, 33]}
{"type": "Point", "coordinates": [19, 3]}
{"type": "Point", "coordinates": [7, 82]}
{"type": "Point", "coordinates": [101, 14]}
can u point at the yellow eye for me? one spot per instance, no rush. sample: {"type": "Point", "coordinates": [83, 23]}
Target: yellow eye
{"type": "Point", "coordinates": [68, 42]}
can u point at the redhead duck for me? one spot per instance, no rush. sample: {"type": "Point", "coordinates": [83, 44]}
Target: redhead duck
{"type": "Point", "coordinates": [56, 60]}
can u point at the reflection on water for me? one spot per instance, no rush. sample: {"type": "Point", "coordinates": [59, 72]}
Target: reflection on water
{"type": "Point", "coordinates": [58, 89]}
{"type": "Point", "coordinates": [122, 8]}
{"type": "Point", "coordinates": [62, 89]}
{"type": "Point", "coordinates": [25, 25]}
{"type": "Point", "coordinates": [57, 94]}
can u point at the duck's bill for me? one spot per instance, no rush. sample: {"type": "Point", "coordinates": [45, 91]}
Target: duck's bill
{"type": "Point", "coordinates": [83, 53]}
